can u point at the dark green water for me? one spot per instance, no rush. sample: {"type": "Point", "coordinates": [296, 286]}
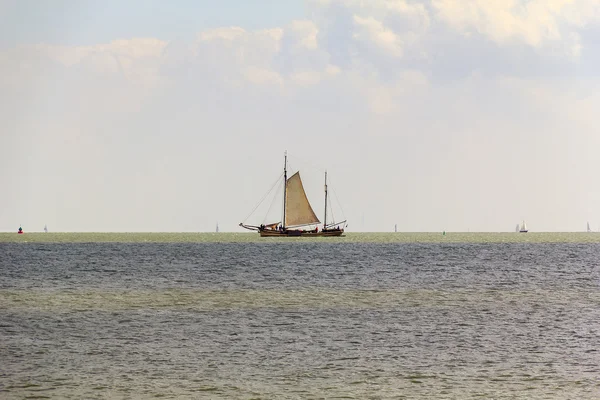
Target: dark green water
{"type": "Point", "coordinates": [366, 316]}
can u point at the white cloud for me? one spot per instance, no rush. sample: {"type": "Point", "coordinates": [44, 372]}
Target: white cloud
{"type": "Point", "coordinates": [502, 20]}
{"type": "Point", "coordinates": [409, 86]}
{"type": "Point", "coordinates": [332, 70]}
{"type": "Point", "coordinates": [305, 32]}
{"type": "Point", "coordinates": [534, 22]}
{"type": "Point", "coordinates": [306, 77]}
{"type": "Point", "coordinates": [226, 34]}
{"type": "Point", "coordinates": [136, 48]}
{"type": "Point", "coordinates": [137, 60]}
{"type": "Point", "coordinates": [551, 28]}
{"type": "Point", "coordinates": [371, 31]}
{"type": "Point", "coordinates": [237, 39]}
{"type": "Point", "coordinates": [313, 77]}
{"type": "Point", "coordinates": [262, 76]}
{"type": "Point", "coordinates": [416, 10]}
{"type": "Point", "coordinates": [352, 28]}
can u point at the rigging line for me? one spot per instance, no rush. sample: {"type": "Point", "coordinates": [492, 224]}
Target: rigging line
{"type": "Point", "coordinates": [308, 164]}
{"type": "Point", "coordinates": [271, 206]}
{"type": "Point", "coordinates": [331, 209]}
{"type": "Point", "coordinates": [291, 168]}
{"type": "Point", "coordinates": [338, 201]}
{"type": "Point", "coordinates": [264, 197]}
{"type": "Point", "coordinates": [311, 166]}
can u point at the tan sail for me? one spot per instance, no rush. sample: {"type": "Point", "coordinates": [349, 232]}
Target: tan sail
{"type": "Point", "coordinates": [298, 210]}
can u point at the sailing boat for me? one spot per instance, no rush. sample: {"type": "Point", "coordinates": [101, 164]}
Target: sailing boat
{"type": "Point", "coordinates": [46, 228]}
{"type": "Point", "coordinates": [523, 228]}
{"type": "Point", "coordinates": [588, 227]}
{"type": "Point", "coordinates": [217, 229]}
{"type": "Point", "coordinates": [297, 213]}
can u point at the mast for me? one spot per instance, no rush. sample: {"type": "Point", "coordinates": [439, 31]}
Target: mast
{"type": "Point", "coordinates": [284, 186]}
{"type": "Point", "coordinates": [325, 215]}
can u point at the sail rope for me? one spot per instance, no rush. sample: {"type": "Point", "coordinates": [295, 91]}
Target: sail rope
{"type": "Point", "coordinates": [330, 206]}
{"type": "Point", "coordinates": [272, 202]}
{"type": "Point", "coordinates": [338, 201]}
{"type": "Point", "coordinates": [264, 197]}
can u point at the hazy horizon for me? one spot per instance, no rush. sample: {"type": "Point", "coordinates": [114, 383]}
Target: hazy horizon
{"type": "Point", "coordinates": [434, 115]}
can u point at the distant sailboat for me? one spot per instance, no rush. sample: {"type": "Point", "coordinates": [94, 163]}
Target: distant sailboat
{"type": "Point", "coordinates": [588, 227]}
{"type": "Point", "coordinates": [20, 231]}
{"type": "Point", "coordinates": [517, 228]}
{"type": "Point", "coordinates": [217, 229]}
{"type": "Point", "coordinates": [523, 228]}
{"type": "Point", "coordinates": [396, 228]}
{"type": "Point", "coordinates": [46, 228]}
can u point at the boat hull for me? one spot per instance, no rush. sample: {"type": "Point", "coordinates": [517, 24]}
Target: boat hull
{"type": "Point", "coordinates": [523, 231]}
{"type": "Point", "coordinates": [297, 233]}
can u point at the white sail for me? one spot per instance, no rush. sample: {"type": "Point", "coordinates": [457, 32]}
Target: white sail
{"type": "Point", "coordinates": [523, 227]}
{"type": "Point", "coordinates": [588, 227]}
{"type": "Point", "coordinates": [298, 211]}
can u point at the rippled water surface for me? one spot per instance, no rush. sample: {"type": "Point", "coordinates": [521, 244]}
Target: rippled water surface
{"type": "Point", "coordinates": [366, 316]}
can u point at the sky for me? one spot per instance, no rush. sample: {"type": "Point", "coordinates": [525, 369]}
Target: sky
{"type": "Point", "coordinates": [455, 115]}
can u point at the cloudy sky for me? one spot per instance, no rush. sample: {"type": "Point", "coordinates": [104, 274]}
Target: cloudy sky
{"type": "Point", "coordinates": [170, 116]}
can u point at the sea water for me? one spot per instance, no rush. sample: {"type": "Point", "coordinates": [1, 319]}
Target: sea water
{"type": "Point", "coordinates": [233, 316]}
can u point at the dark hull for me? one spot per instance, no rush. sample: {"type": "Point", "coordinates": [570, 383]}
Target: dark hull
{"type": "Point", "coordinates": [297, 233]}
